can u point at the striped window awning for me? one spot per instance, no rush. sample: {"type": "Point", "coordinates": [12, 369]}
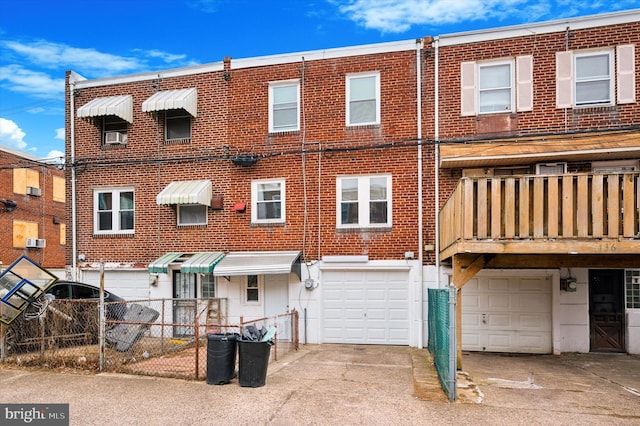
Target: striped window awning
{"type": "Point", "coordinates": [190, 263]}
{"type": "Point", "coordinates": [186, 99]}
{"type": "Point", "coordinates": [259, 263]}
{"type": "Point", "coordinates": [120, 106]}
{"type": "Point", "coordinates": [186, 192]}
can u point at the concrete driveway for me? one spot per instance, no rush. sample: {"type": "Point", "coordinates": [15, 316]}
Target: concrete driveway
{"type": "Point", "coordinates": [349, 384]}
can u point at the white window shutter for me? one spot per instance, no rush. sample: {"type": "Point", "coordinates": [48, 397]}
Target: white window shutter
{"type": "Point", "coordinates": [564, 79]}
{"type": "Point", "coordinates": [524, 78]}
{"type": "Point", "coordinates": [468, 88]}
{"type": "Point", "coordinates": [626, 74]}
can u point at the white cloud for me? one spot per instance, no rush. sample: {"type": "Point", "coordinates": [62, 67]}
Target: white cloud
{"type": "Point", "coordinates": [35, 83]}
{"type": "Point", "coordinates": [55, 156]}
{"type": "Point", "coordinates": [56, 55]}
{"type": "Point", "coordinates": [11, 134]}
{"type": "Point", "coordinates": [60, 133]}
{"type": "Point", "coordinates": [396, 16]}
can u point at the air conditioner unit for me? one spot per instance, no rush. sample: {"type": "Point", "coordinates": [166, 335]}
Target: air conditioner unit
{"type": "Point", "coordinates": [551, 169]}
{"type": "Point", "coordinates": [114, 138]}
{"type": "Point", "coordinates": [36, 243]}
{"type": "Point", "coordinates": [36, 192]}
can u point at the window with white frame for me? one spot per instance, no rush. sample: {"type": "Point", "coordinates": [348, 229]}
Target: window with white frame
{"type": "Point", "coordinates": [177, 125]}
{"type": "Point", "coordinates": [593, 78]}
{"type": "Point", "coordinates": [268, 201]}
{"type": "Point", "coordinates": [600, 77]}
{"type": "Point", "coordinates": [632, 278]}
{"type": "Point", "coordinates": [363, 99]}
{"type": "Point", "coordinates": [114, 211]}
{"type": "Point", "coordinates": [208, 286]}
{"type": "Point", "coordinates": [284, 101]}
{"type": "Point", "coordinates": [495, 87]}
{"type": "Point", "coordinates": [363, 201]}
{"type": "Point", "coordinates": [252, 291]}
{"type": "Point", "coordinates": [192, 214]}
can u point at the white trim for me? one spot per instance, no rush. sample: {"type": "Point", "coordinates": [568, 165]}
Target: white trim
{"type": "Point", "coordinates": [589, 53]}
{"type": "Point", "coordinates": [533, 29]}
{"type": "Point", "coordinates": [254, 200]}
{"type": "Point", "coordinates": [202, 207]}
{"type": "Point", "coordinates": [115, 211]}
{"type": "Point", "coordinates": [512, 97]}
{"type": "Point", "coordinates": [349, 78]}
{"type": "Point", "coordinates": [278, 84]}
{"type": "Point", "coordinates": [260, 61]}
{"type": "Point", "coordinates": [364, 185]}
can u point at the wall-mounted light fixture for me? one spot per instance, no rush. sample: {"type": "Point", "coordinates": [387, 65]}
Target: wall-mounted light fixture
{"type": "Point", "coordinates": [9, 205]}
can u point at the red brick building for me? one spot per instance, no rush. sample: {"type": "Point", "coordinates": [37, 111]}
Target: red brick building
{"type": "Point", "coordinates": [314, 180]}
{"type": "Point", "coordinates": [539, 129]}
{"type": "Point", "coordinates": [32, 210]}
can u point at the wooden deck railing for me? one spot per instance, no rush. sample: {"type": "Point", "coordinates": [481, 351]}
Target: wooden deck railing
{"type": "Point", "coordinates": [570, 207]}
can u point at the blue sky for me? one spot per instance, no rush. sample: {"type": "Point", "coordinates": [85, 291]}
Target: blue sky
{"type": "Point", "coordinates": [41, 39]}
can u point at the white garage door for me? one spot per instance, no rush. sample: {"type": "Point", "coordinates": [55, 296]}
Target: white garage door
{"type": "Point", "coordinates": [130, 285]}
{"type": "Point", "coordinates": [365, 307]}
{"type": "Point", "coordinates": [507, 314]}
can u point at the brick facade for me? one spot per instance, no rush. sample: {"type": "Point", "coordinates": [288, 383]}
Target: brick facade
{"type": "Point", "coordinates": [49, 215]}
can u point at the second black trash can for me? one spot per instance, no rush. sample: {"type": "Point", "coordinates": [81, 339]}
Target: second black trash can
{"type": "Point", "coordinates": [253, 359]}
{"type": "Point", "coordinates": [221, 357]}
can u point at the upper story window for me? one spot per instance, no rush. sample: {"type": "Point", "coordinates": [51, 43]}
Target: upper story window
{"type": "Point", "coordinates": [593, 79]}
{"type": "Point", "coordinates": [114, 130]}
{"type": "Point", "coordinates": [363, 201]}
{"type": "Point", "coordinates": [177, 125]}
{"type": "Point", "coordinates": [590, 78]}
{"type": "Point", "coordinates": [284, 101]}
{"type": "Point", "coordinates": [363, 99]}
{"type": "Point", "coordinates": [113, 211]}
{"type": "Point", "coordinates": [192, 214]}
{"type": "Point", "coordinates": [268, 201]}
{"type": "Point", "coordinates": [496, 86]}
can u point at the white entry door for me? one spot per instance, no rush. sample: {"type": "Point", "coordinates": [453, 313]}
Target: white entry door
{"type": "Point", "coordinates": [507, 314]}
{"type": "Point", "coordinates": [365, 307]}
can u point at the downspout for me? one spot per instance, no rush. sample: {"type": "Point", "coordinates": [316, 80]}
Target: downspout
{"type": "Point", "coordinates": [436, 137]}
{"type": "Point", "coordinates": [419, 46]}
{"type": "Point", "coordinates": [72, 159]}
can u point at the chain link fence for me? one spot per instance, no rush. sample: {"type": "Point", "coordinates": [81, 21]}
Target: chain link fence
{"type": "Point", "coordinates": [162, 337]}
{"type": "Point", "coordinates": [442, 341]}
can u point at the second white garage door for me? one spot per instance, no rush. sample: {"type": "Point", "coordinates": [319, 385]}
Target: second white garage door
{"type": "Point", "coordinates": [365, 307]}
{"type": "Point", "coordinates": [507, 314]}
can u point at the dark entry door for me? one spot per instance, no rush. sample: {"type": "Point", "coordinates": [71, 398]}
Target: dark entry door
{"type": "Point", "coordinates": [606, 310]}
{"type": "Point", "coordinates": [184, 311]}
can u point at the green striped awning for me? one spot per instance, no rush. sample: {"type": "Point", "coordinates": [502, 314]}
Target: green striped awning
{"type": "Point", "coordinates": [202, 262]}
{"type": "Point", "coordinates": [161, 264]}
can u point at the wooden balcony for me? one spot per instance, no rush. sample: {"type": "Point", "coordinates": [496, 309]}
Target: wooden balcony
{"type": "Point", "coordinates": [588, 214]}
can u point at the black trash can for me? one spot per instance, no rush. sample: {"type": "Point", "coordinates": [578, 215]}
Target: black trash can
{"type": "Point", "coordinates": [253, 359]}
{"type": "Point", "coordinates": [221, 357]}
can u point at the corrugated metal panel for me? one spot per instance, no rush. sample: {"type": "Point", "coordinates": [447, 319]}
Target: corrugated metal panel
{"type": "Point", "coordinates": [201, 263]}
{"type": "Point", "coordinates": [186, 99]}
{"type": "Point", "coordinates": [120, 106]}
{"type": "Point", "coordinates": [258, 263]}
{"type": "Point", "coordinates": [186, 192]}
{"type": "Point", "coordinates": [161, 265]}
